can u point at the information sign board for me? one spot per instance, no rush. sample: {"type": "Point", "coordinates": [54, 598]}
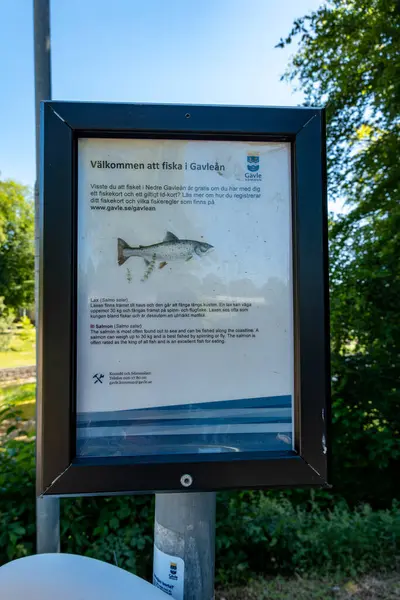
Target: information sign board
{"type": "Point", "coordinates": [184, 318]}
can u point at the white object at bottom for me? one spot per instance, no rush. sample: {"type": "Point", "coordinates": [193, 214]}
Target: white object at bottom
{"type": "Point", "coordinates": [71, 577]}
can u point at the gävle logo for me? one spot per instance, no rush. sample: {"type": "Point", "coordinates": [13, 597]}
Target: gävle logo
{"type": "Point", "coordinates": [253, 161]}
{"type": "Point", "coordinates": [173, 571]}
{"type": "Point", "coordinates": [253, 165]}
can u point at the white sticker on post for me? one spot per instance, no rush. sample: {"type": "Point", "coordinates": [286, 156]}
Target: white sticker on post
{"type": "Point", "coordinates": [168, 573]}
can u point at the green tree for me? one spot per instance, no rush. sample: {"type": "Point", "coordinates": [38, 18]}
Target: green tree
{"type": "Point", "coordinates": [348, 59]}
{"type": "Point", "coordinates": [16, 245]}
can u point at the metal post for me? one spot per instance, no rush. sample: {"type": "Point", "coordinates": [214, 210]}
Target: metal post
{"type": "Point", "coordinates": [185, 529]}
{"type": "Point", "coordinates": [47, 509]}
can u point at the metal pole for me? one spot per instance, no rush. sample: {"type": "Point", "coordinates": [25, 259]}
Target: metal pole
{"type": "Point", "coordinates": [184, 530]}
{"type": "Point", "coordinates": [47, 509]}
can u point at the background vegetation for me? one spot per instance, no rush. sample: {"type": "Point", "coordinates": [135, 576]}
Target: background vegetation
{"type": "Point", "coordinates": [16, 246]}
{"type": "Point", "coordinates": [349, 60]}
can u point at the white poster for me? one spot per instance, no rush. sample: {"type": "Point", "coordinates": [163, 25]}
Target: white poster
{"type": "Point", "coordinates": [185, 282]}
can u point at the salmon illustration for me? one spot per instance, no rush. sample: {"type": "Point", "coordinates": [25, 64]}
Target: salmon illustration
{"type": "Point", "coordinates": [170, 249]}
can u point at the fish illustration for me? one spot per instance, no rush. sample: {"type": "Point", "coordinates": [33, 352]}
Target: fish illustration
{"type": "Point", "coordinates": [170, 249]}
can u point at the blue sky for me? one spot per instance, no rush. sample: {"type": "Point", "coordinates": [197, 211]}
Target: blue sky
{"type": "Point", "coordinates": [195, 51]}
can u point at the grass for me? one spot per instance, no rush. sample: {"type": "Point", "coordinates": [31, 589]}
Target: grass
{"type": "Point", "coordinates": [368, 588]}
{"type": "Point", "coordinates": [20, 354]}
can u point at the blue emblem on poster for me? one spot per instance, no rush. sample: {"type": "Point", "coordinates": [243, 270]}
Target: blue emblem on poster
{"type": "Point", "coordinates": [253, 162]}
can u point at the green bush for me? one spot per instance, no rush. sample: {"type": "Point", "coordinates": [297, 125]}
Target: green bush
{"type": "Point", "coordinates": [261, 534]}
{"type": "Point", "coordinates": [257, 533]}
{"type": "Point", "coordinates": [366, 427]}
{"type": "Point", "coordinates": [17, 487]}
{"type": "Point", "coordinates": [116, 529]}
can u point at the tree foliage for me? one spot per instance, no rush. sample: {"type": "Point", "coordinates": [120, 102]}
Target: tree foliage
{"type": "Point", "coordinates": [16, 245]}
{"type": "Point", "coordinates": [349, 60]}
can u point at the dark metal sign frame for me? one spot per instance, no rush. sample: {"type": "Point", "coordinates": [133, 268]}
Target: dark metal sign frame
{"type": "Point", "coordinates": [60, 472]}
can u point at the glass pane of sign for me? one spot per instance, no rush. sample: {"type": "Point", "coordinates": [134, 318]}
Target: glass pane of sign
{"type": "Point", "coordinates": [185, 316]}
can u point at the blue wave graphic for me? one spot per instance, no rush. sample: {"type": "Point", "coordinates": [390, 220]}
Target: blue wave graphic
{"type": "Point", "coordinates": [225, 426]}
